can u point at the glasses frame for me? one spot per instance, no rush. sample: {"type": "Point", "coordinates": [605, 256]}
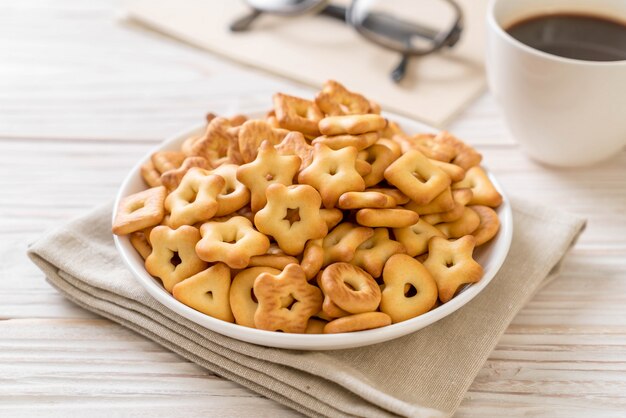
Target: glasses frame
{"type": "Point", "coordinates": [439, 40]}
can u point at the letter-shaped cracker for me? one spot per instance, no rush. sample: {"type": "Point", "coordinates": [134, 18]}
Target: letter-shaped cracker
{"type": "Point", "coordinates": [173, 257]}
{"type": "Point", "coordinates": [416, 177]}
{"type": "Point", "coordinates": [194, 200]}
{"type": "Point", "coordinates": [207, 292]}
{"type": "Point", "coordinates": [372, 255]}
{"type": "Point", "coordinates": [409, 290]}
{"type": "Point", "coordinates": [333, 173]}
{"type": "Point", "coordinates": [269, 167]}
{"type": "Point", "coordinates": [291, 216]}
{"type": "Point", "coordinates": [451, 264]}
{"type": "Point", "coordinates": [297, 114]}
{"type": "Point", "coordinates": [276, 310]}
{"type": "Point", "coordinates": [232, 242]}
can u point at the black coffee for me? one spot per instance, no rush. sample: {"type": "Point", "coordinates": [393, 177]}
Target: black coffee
{"type": "Point", "coordinates": [582, 37]}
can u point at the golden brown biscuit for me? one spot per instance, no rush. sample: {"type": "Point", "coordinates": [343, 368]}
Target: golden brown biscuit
{"type": "Point", "coordinates": [351, 124]}
{"type": "Point", "coordinates": [333, 173]}
{"type": "Point", "coordinates": [173, 257]}
{"type": "Point", "coordinates": [291, 216]}
{"type": "Point", "coordinates": [243, 301]}
{"type": "Point", "coordinates": [358, 322]}
{"type": "Point", "coordinates": [483, 191]}
{"type": "Point", "coordinates": [359, 200]}
{"type": "Point", "coordinates": [195, 198]}
{"type": "Point", "coordinates": [139, 211]}
{"type": "Point", "coordinates": [296, 114]}
{"type": "Point", "coordinates": [372, 255]}
{"type": "Point", "coordinates": [451, 265]}
{"type": "Point", "coordinates": [389, 218]}
{"type": "Point", "coordinates": [269, 167]}
{"type": "Point", "coordinates": [286, 300]}
{"type": "Point", "coordinates": [415, 237]}
{"type": "Point", "coordinates": [409, 290]}
{"type": "Point", "coordinates": [207, 292]}
{"type": "Point", "coordinates": [350, 288]}
{"type": "Point", "coordinates": [416, 177]}
{"type": "Point", "coordinates": [232, 242]}
{"type": "Point", "coordinates": [335, 100]}
{"type": "Point", "coordinates": [489, 224]}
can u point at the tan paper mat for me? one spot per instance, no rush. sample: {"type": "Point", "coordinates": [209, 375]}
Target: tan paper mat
{"type": "Point", "coordinates": [312, 49]}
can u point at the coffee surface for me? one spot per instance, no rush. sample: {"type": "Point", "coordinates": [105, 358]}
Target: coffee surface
{"type": "Point", "coordinates": [583, 37]}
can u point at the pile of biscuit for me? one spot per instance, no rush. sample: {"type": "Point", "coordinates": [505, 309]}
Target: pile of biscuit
{"type": "Point", "coordinates": [321, 217]}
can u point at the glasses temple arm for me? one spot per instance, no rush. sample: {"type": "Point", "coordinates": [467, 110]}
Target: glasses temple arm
{"type": "Point", "coordinates": [243, 23]}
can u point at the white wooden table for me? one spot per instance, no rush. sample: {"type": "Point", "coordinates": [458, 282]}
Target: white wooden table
{"type": "Point", "coordinates": [83, 96]}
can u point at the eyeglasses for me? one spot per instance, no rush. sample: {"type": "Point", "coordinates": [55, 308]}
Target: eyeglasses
{"type": "Point", "coordinates": [391, 24]}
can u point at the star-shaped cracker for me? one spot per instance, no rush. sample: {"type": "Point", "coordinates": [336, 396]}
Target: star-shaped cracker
{"type": "Point", "coordinates": [451, 264]}
{"type": "Point", "coordinates": [333, 173]}
{"type": "Point", "coordinates": [269, 167]}
{"type": "Point", "coordinates": [291, 216]}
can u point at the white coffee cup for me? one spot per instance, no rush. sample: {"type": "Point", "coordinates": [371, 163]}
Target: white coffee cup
{"type": "Point", "coordinates": [562, 111]}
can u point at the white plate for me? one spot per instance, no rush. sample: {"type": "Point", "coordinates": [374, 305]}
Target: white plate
{"type": "Point", "coordinates": [490, 256]}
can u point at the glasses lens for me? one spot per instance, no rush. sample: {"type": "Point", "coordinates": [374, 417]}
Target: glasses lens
{"type": "Point", "coordinates": [286, 7]}
{"type": "Point", "coordinates": [410, 26]}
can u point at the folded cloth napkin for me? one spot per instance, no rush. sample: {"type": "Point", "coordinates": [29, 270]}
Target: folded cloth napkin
{"type": "Point", "coordinates": [425, 374]}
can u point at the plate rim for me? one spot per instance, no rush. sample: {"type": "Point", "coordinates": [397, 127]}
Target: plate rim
{"type": "Point", "coordinates": [307, 341]}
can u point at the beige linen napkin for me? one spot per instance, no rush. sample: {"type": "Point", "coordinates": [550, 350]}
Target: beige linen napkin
{"type": "Point", "coordinates": [425, 374]}
{"type": "Point", "coordinates": [311, 49]}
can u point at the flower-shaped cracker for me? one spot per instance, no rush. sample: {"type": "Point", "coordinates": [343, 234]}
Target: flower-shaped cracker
{"type": "Point", "coordinates": [173, 257]}
{"type": "Point", "coordinates": [194, 200]}
{"type": "Point", "coordinates": [233, 242]}
{"type": "Point", "coordinates": [291, 216]}
{"type": "Point", "coordinates": [272, 291]}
